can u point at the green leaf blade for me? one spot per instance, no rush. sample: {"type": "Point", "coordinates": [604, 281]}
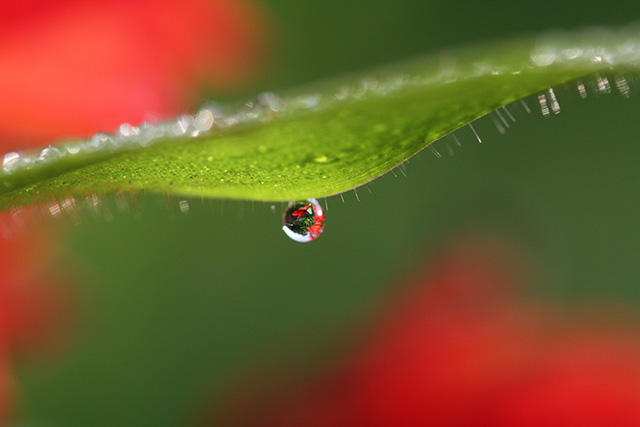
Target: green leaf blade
{"type": "Point", "coordinates": [331, 137]}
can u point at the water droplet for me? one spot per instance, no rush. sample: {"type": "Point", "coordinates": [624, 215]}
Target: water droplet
{"type": "Point", "coordinates": [73, 148]}
{"type": "Point", "coordinates": [204, 120]}
{"type": "Point", "coordinates": [99, 142]}
{"type": "Point", "coordinates": [232, 120]}
{"type": "Point", "coordinates": [147, 133]}
{"type": "Point", "coordinates": [10, 161]}
{"type": "Point", "coordinates": [49, 154]}
{"type": "Point", "coordinates": [303, 220]}
{"type": "Point", "coordinates": [182, 125]}
{"type": "Point", "coordinates": [127, 130]}
{"type": "Point", "coordinates": [310, 101]}
{"type": "Point", "coordinates": [267, 100]}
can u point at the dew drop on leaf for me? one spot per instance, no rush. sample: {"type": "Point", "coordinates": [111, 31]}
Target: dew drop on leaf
{"type": "Point", "coordinates": [303, 220]}
{"type": "Point", "coordinates": [10, 161]}
{"type": "Point", "coordinates": [49, 154]}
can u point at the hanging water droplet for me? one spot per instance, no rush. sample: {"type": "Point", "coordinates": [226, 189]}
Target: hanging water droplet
{"type": "Point", "coordinates": [303, 220]}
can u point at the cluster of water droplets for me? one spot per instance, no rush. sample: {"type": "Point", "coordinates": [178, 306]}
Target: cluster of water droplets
{"type": "Point", "coordinates": [599, 46]}
{"type": "Point", "coordinates": [129, 137]}
{"type": "Point", "coordinates": [547, 51]}
{"type": "Point", "coordinates": [592, 45]}
{"type": "Point", "coordinates": [208, 119]}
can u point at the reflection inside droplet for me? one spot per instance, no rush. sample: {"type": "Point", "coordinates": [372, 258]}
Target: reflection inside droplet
{"type": "Point", "coordinates": [303, 220]}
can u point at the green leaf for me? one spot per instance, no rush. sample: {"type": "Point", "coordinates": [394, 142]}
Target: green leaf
{"type": "Point", "coordinates": [322, 139]}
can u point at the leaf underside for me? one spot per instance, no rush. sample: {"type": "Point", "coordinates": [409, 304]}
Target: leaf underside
{"type": "Point", "coordinates": [326, 138]}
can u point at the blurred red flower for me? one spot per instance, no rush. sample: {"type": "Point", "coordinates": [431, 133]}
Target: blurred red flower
{"type": "Point", "coordinates": [461, 350]}
{"type": "Point", "coordinates": [73, 67]}
{"type": "Point", "coordinates": [32, 305]}
{"type": "Point", "coordinates": [76, 67]}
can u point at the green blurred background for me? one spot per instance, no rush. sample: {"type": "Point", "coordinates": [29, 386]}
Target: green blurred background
{"type": "Point", "coordinates": [180, 310]}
